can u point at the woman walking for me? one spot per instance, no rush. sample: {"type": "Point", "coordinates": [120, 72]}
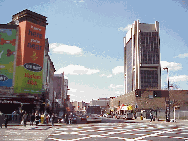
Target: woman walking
{"type": "Point", "coordinates": [25, 118]}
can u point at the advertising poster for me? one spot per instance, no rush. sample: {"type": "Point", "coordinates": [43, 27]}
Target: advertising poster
{"type": "Point", "coordinates": [30, 55]}
{"type": "Point", "coordinates": [7, 54]}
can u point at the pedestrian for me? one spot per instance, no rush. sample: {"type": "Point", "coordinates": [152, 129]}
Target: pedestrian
{"type": "Point", "coordinates": [24, 118]}
{"type": "Point", "coordinates": [32, 119]}
{"type": "Point", "coordinates": [47, 118]}
{"type": "Point", "coordinates": [52, 119]}
{"type": "Point", "coordinates": [151, 116]}
{"type": "Point", "coordinates": [67, 119]}
{"type": "Point", "coordinates": [6, 121]}
{"type": "Point", "coordinates": [37, 118]}
{"type": "Point", "coordinates": [42, 118]}
{"type": "Point", "coordinates": [135, 115]}
{"type": "Point", "coordinates": [2, 118]}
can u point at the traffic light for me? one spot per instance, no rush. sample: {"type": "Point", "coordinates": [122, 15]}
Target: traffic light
{"type": "Point", "coordinates": [138, 93]}
{"type": "Point", "coordinates": [156, 93]}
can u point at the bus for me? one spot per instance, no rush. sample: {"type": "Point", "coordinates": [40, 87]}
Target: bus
{"type": "Point", "coordinates": [93, 114]}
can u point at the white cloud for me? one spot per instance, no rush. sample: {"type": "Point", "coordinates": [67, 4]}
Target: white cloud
{"type": "Point", "coordinates": [65, 77]}
{"type": "Point", "coordinates": [182, 55]}
{"type": "Point", "coordinates": [112, 86]}
{"type": "Point", "coordinates": [108, 76]}
{"type": "Point", "coordinates": [118, 69]}
{"type": "Point", "coordinates": [116, 86]}
{"type": "Point", "coordinates": [173, 66]}
{"type": "Point", "coordinates": [178, 78]}
{"type": "Point", "coordinates": [119, 86]}
{"type": "Point", "coordinates": [61, 49]}
{"type": "Point", "coordinates": [77, 70]}
{"type": "Point", "coordinates": [81, 1]}
{"type": "Point", "coordinates": [119, 92]}
{"type": "Point", "coordinates": [72, 90]}
{"type": "Point", "coordinates": [81, 91]}
{"type": "Point", "coordinates": [71, 94]}
{"type": "Point", "coordinates": [127, 28]}
{"type": "Point", "coordinates": [102, 75]}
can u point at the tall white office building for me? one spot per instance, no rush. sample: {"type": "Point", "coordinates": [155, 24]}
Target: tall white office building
{"type": "Point", "coordinates": [142, 57]}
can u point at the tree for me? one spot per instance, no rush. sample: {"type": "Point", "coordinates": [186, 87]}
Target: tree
{"type": "Point", "coordinates": [172, 86]}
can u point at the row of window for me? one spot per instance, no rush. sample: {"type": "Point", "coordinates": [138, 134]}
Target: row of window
{"type": "Point", "coordinates": [129, 66]}
{"type": "Point", "coordinates": [149, 34]}
{"type": "Point", "coordinates": [149, 78]}
{"type": "Point", "coordinates": [149, 85]}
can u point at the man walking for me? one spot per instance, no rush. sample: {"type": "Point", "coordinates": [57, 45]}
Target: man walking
{"type": "Point", "coordinates": [6, 121]}
{"type": "Point", "coordinates": [32, 119]}
{"type": "Point", "coordinates": [37, 118]}
{"type": "Point", "coordinates": [53, 119]}
{"type": "Point", "coordinates": [151, 116]}
{"type": "Point", "coordinates": [2, 118]}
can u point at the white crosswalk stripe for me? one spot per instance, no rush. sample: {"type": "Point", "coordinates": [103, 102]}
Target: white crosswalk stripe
{"type": "Point", "coordinates": [119, 131]}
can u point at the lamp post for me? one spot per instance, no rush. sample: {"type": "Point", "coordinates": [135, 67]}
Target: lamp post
{"type": "Point", "coordinates": [167, 103]}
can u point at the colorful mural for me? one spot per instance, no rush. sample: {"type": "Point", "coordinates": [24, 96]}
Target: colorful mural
{"type": "Point", "coordinates": [7, 54]}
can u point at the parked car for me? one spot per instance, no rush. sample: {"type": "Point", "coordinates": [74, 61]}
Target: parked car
{"type": "Point", "coordinates": [73, 118]}
{"type": "Point", "coordinates": [127, 115]}
{"type": "Point", "coordinates": [118, 116]}
{"type": "Point", "coordinates": [105, 115]}
{"type": "Point", "coordinates": [109, 116]}
{"type": "Point", "coordinates": [83, 117]}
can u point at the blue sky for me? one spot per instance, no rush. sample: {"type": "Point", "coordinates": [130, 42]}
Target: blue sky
{"type": "Point", "coordinates": [86, 39]}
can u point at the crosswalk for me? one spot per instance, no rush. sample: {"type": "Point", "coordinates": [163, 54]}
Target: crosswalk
{"type": "Point", "coordinates": [120, 131]}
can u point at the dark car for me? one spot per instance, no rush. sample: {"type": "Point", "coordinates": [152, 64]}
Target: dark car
{"type": "Point", "coordinates": [73, 118]}
{"type": "Point", "coordinates": [83, 117]}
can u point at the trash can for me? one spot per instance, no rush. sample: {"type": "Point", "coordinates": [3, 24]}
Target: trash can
{"type": "Point", "coordinates": [141, 117]}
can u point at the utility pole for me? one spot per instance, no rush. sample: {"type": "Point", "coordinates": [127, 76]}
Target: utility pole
{"type": "Point", "coordinates": [167, 102]}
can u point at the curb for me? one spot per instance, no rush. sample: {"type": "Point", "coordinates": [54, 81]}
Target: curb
{"type": "Point", "coordinates": [35, 124]}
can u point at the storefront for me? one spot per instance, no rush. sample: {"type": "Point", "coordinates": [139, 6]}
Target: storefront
{"type": "Point", "coordinates": [8, 104]}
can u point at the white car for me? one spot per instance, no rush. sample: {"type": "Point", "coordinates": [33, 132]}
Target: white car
{"type": "Point", "coordinates": [105, 115]}
{"type": "Point", "coordinates": [93, 118]}
{"type": "Point", "coordinates": [109, 116]}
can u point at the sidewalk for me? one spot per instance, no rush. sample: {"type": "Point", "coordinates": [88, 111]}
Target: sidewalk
{"type": "Point", "coordinates": [178, 121]}
{"type": "Point", "coordinates": [28, 124]}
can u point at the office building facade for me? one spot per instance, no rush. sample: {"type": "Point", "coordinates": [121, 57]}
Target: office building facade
{"type": "Point", "coordinates": [142, 68]}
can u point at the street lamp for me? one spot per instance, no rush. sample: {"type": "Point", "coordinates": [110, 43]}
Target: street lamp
{"type": "Point", "coordinates": [167, 76]}
{"type": "Point", "coordinates": [167, 102]}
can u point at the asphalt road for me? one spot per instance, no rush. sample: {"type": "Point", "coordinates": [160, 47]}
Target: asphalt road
{"type": "Point", "coordinates": [112, 130]}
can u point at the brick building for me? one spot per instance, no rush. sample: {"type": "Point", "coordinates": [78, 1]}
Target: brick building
{"type": "Point", "coordinates": [147, 99]}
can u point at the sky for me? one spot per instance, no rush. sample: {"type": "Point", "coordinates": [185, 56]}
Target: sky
{"type": "Point", "coordinates": [86, 40]}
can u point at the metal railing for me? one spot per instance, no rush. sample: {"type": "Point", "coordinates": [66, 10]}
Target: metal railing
{"type": "Point", "coordinates": [16, 118]}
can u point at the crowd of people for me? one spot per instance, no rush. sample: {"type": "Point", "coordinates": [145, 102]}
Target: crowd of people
{"type": "Point", "coordinates": [24, 117]}
{"type": "Point", "coordinates": [37, 118]}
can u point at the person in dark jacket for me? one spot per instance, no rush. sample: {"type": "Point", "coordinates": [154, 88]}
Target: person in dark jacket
{"type": "Point", "coordinates": [67, 119]}
{"type": "Point", "coordinates": [32, 119]}
{"type": "Point", "coordinates": [6, 121]}
{"type": "Point", "coordinates": [2, 118]}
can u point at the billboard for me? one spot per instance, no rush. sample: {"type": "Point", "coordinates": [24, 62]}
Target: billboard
{"type": "Point", "coordinates": [7, 54]}
{"type": "Point", "coordinates": [30, 55]}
